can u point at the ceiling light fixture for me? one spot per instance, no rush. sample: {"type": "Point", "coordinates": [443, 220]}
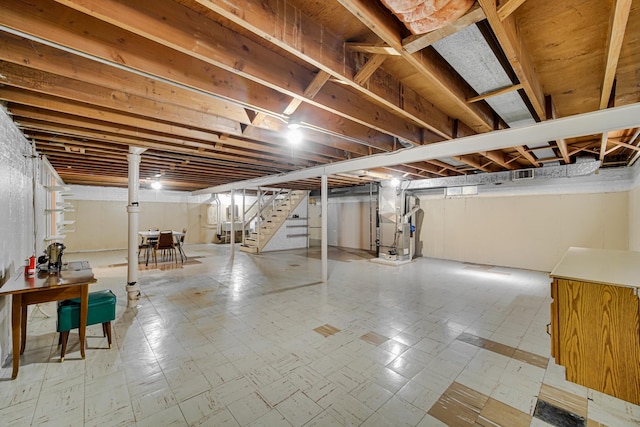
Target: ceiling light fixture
{"type": "Point", "coordinates": [156, 185]}
{"type": "Point", "coordinates": [294, 136]}
{"type": "Point", "coordinates": [293, 124]}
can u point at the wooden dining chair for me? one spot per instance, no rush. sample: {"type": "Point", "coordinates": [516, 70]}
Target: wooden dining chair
{"type": "Point", "coordinates": [183, 256]}
{"type": "Point", "coordinates": [165, 243]}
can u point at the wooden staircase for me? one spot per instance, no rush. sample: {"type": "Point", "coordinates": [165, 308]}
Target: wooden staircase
{"type": "Point", "coordinates": [273, 220]}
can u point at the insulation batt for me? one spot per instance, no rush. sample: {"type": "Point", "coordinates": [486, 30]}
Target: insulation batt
{"type": "Point", "coordinates": [404, 6]}
{"type": "Point", "coordinates": [428, 15]}
{"type": "Point", "coordinates": [423, 10]}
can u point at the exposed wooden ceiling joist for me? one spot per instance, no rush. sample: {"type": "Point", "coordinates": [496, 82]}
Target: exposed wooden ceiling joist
{"type": "Point", "coordinates": [208, 86]}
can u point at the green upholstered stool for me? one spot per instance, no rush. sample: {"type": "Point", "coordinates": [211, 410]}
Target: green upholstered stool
{"type": "Point", "coordinates": [102, 309]}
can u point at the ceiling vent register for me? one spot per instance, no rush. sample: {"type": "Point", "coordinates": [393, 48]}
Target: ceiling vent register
{"type": "Point", "coordinates": [522, 174]}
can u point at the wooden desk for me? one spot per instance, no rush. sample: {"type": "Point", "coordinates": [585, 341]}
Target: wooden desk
{"type": "Point", "coordinates": [595, 320]}
{"type": "Point", "coordinates": [71, 282]}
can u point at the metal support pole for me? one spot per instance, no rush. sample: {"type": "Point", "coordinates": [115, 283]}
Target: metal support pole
{"type": "Point", "coordinates": [133, 210]}
{"type": "Point", "coordinates": [325, 234]}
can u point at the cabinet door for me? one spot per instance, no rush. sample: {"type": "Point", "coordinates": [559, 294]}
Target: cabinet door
{"type": "Point", "coordinates": [599, 337]}
{"type": "Point", "coordinates": [554, 321]}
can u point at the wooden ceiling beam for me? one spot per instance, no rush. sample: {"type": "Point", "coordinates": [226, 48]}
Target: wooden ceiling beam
{"type": "Point", "coordinates": [615, 37]}
{"type": "Point", "coordinates": [148, 171]}
{"type": "Point", "coordinates": [105, 98]}
{"type": "Point", "coordinates": [499, 158]}
{"type": "Point", "coordinates": [416, 42]}
{"type": "Point", "coordinates": [497, 92]}
{"type": "Point", "coordinates": [510, 40]}
{"type": "Point", "coordinates": [625, 145]}
{"type": "Point", "coordinates": [152, 162]}
{"type": "Point", "coordinates": [56, 121]}
{"type": "Point", "coordinates": [507, 7]}
{"type": "Point", "coordinates": [478, 116]}
{"type": "Point", "coordinates": [604, 140]}
{"type": "Point", "coordinates": [370, 67]}
{"type": "Point", "coordinates": [310, 91]}
{"type": "Point", "coordinates": [20, 51]}
{"type": "Point", "coordinates": [323, 50]}
{"type": "Point", "coordinates": [116, 181]}
{"type": "Point", "coordinates": [551, 114]}
{"type": "Point", "coordinates": [219, 152]}
{"type": "Point", "coordinates": [124, 142]}
{"type": "Point", "coordinates": [474, 162]}
{"type": "Point", "coordinates": [172, 25]}
{"type": "Point", "coordinates": [447, 166]}
{"type": "Point", "coordinates": [323, 147]}
{"type": "Point", "coordinates": [372, 48]}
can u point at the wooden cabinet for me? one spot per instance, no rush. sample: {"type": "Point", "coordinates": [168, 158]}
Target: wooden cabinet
{"type": "Point", "coordinates": [595, 320]}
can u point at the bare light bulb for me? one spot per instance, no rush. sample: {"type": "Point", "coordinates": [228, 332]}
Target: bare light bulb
{"type": "Point", "coordinates": [294, 136]}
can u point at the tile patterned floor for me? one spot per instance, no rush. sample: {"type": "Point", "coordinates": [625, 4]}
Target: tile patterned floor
{"type": "Point", "coordinates": [260, 341]}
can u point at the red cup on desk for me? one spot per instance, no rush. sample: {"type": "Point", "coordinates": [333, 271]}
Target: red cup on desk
{"type": "Point", "coordinates": [32, 265]}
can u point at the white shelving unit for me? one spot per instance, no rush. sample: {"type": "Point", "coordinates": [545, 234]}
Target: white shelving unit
{"type": "Point", "coordinates": [58, 225]}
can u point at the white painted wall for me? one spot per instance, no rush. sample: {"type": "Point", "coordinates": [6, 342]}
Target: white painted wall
{"type": "Point", "coordinates": [525, 225]}
{"type": "Point", "coordinates": [531, 232]}
{"type": "Point", "coordinates": [101, 219]}
{"type": "Point", "coordinates": [16, 216]}
{"type": "Point", "coordinates": [348, 222]}
{"type": "Point", "coordinates": [634, 211]}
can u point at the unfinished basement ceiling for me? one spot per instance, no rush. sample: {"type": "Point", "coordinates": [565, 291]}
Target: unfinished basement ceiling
{"type": "Point", "coordinates": [469, 53]}
{"type": "Point", "coordinates": [207, 87]}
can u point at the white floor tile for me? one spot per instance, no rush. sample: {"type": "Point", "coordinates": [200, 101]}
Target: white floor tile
{"type": "Point", "coordinates": [221, 343]}
{"type": "Point", "coordinates": [298, 409]}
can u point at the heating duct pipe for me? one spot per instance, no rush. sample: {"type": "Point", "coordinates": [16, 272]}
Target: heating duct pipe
{"type": "Point", "coordinates": [218, 203]}
{"type": "Point", "coordinates": [215, 200]}
{"type": "Point", "coordinates": [406, 217]}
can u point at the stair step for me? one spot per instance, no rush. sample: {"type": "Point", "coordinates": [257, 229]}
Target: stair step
{"type": "Point", "coordinates": [249, 249]}
{"type": "Point", "coordinates": [272, 219]}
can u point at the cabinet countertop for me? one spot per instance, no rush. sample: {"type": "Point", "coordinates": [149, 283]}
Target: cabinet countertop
{"type": "Point", "coordinates": [605, 266]}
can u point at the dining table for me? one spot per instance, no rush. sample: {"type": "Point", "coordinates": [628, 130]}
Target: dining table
{"type": "Point", "coordinates": [71, 281]}
{"type": "Point", "coordinates": [150, 235]}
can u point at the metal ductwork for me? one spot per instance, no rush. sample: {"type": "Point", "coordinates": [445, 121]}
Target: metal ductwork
{"type": "Point", "coordinates": [422, 16]}
{"type": "Point", "coordinates": [215, 200]}
{"type": "Point", "coordinates": [580, 168]}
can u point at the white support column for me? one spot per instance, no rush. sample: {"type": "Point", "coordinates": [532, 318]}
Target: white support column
{"type": "Point", "coordinates": [233, 222]}
{"type": "Point", "coordinates": [133, 209]}
{"type": "Point", "coordinates": [244, 195]}
{"type": "Point", "coordinates": [324, 243]}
